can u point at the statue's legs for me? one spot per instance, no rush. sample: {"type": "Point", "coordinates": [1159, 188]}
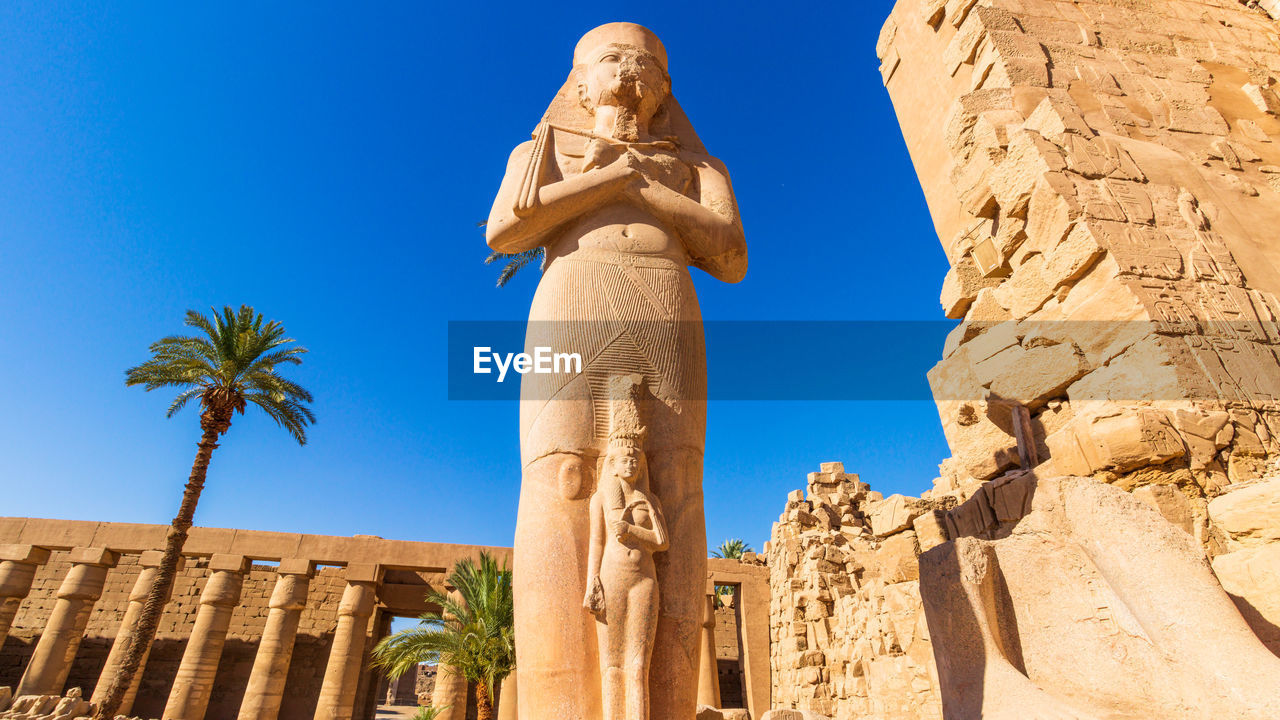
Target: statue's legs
{"type": "Point", "coordinates": [958, 586]}
{"type": "Point", "coordinates": [676, 479]}
{"type": "Point", "coordinates": [1167, 583]}
{"type": "Point", "coordinates": [556, 644]}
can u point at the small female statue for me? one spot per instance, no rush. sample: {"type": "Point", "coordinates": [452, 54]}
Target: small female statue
{"type": "Point", "coordinates": [627, 528]}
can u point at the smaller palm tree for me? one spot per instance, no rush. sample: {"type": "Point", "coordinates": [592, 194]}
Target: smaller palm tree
{"type": "Point", "coordinates": [430, 712]}
{"type": "Point", "coordinates": [473, 634]}
{"type": "Point", "coordinates": [732, 549]}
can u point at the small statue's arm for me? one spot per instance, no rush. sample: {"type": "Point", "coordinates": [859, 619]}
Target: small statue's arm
{"type": "Point", "coordinates": [653, 539]}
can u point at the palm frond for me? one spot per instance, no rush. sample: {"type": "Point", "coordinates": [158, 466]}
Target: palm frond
{"type": "Point", "coordinates": [232, 362]}
{"type": "Point", "coordinates": [514, 262]}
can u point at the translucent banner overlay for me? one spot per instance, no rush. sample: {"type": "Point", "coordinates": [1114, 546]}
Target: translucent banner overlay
{"type": "Point", "coordinates": [878, 360]}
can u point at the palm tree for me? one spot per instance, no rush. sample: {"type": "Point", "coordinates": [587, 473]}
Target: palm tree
{"type": "Point", "coordinates": [732, 549]}
{"type": "Point", "coordinates": [473, 634]}
{"type": "Point", "coordinates": [231, 366]}
{"type": "Point", "coordinates": [515, 261]}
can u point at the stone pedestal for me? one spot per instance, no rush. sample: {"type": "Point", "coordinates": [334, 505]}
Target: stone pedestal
{"type": "Point", "coordinates": [265, 692]}
{"type": "Point", "coordinates": [193, 684]}
{"type": "Point", "coordinates": [18, 565]}
{"type": "Point", "coordinates": [346, 655]}
{"type": "Point", "coordinates": [56, 649]}
{"type": "Point", "coordinates": [149, 561]}
{"type": "Point", "coordinates": [708, 672]}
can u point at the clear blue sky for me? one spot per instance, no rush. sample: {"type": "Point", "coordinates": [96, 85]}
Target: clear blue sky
{"type": "Point", "coordinates": [328, 164]}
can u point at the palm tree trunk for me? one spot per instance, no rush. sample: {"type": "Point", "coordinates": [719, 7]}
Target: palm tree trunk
{"type": "Point", "coordinates": [484, 703]}
{"type": "Point", "coordinates": [176, 537]}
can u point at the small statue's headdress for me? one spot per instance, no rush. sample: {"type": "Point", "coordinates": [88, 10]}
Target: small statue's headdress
{"type": "Point", "coordinates": [625, 427]}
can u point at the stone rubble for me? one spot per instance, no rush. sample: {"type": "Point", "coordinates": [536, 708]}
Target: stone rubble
{"type": "Point", "coordinates": [849, 639]}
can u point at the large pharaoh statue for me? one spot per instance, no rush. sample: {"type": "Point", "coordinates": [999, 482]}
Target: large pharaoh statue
{"type": "Point", "coordinates": [617, 188]}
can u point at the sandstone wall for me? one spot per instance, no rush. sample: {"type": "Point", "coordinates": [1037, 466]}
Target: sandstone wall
{"type": "Point", "coordinates": [1105, 180]}
{"type": "Point", "coordinates": [399, 573]}
{"type": "Point", "coordinates": [315, 633]}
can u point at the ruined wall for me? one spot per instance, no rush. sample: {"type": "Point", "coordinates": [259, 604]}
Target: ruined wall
{"type": "Point", "coordinates": [849, 638]}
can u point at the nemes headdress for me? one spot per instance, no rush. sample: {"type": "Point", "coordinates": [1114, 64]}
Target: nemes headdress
{"type": "Point", "coordinates": [566, 111]}
{"type": "Point", "coordinates": [625, 426]}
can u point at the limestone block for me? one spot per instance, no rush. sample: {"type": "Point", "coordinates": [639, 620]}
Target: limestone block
{"type": "Point", "coordinates": [1252, 577]}
{"type": "Point", "coordinates": [793, 715]}
{"type": "Point", "coordinates": [930, 530]}
{"type": "Point", "coordinates": [897, 558]}
{"type": "Point", "coordinates": [1028, 288]}
{"type": "Point", "coordinates": [1122, 441]}
{"type": "Point", "coordinates": [960, 287]}
{"type": "Point", "coordinates": [1250, 514]}
{"type": "Point", "coordinates": [1263, 97]}
{"type": "Point", "coordinates": [1031, 377]}
{"type": "Point", "coordinates": [1171, 503]}
{"type": "Point", "coordinates": [706, 712]}
{"type": "Point", "coordinates": [894, 514]}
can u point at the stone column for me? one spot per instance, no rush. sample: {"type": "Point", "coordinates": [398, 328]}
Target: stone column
{"type": "Point", "coordinates": [265, 691]}
{"type": "Point", "coordinates": [346, 655]}
{"type": "Point", "coordinates": [451, 687]}
{"type": "Point", "coordinates": [507, 699]}
{"type": "Point", "coordinates": [18, 565]}
{"type": "Point", "coordinates": [708, 670]}
{"type": "Point", "coordinates": [193, 684]}
{"type": "Point", "coordinates": [149, 561]}
{"type": "Point", "coordinates": [56, 649]}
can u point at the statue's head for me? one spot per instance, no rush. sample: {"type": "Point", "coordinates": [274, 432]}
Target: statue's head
{"type": "Point", "coordinates": [75, 693]}
{"type": "Point", "coordinates": [625, 458]}
{"type": "Point", "coordinates": [622, 65]}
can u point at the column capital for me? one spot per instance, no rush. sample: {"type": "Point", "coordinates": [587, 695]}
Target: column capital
{"type": "Point", "coordinates": [25, 554]}
{"type": "Point", "coordinates": [225, 582]}
{"type": "Point", "coordinates": [290, 592]}
{"type": "Point", "coordinates": [358, 599]}
{"type": "Point", "coordinates": [100, 557]}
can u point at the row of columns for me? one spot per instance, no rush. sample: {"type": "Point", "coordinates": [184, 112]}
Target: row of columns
{"type": "Point", "coordinates": [192, 689]}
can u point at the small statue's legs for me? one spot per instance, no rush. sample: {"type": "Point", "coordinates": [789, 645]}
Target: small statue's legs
{"type": "Point", "coordinates": [615, 693]}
